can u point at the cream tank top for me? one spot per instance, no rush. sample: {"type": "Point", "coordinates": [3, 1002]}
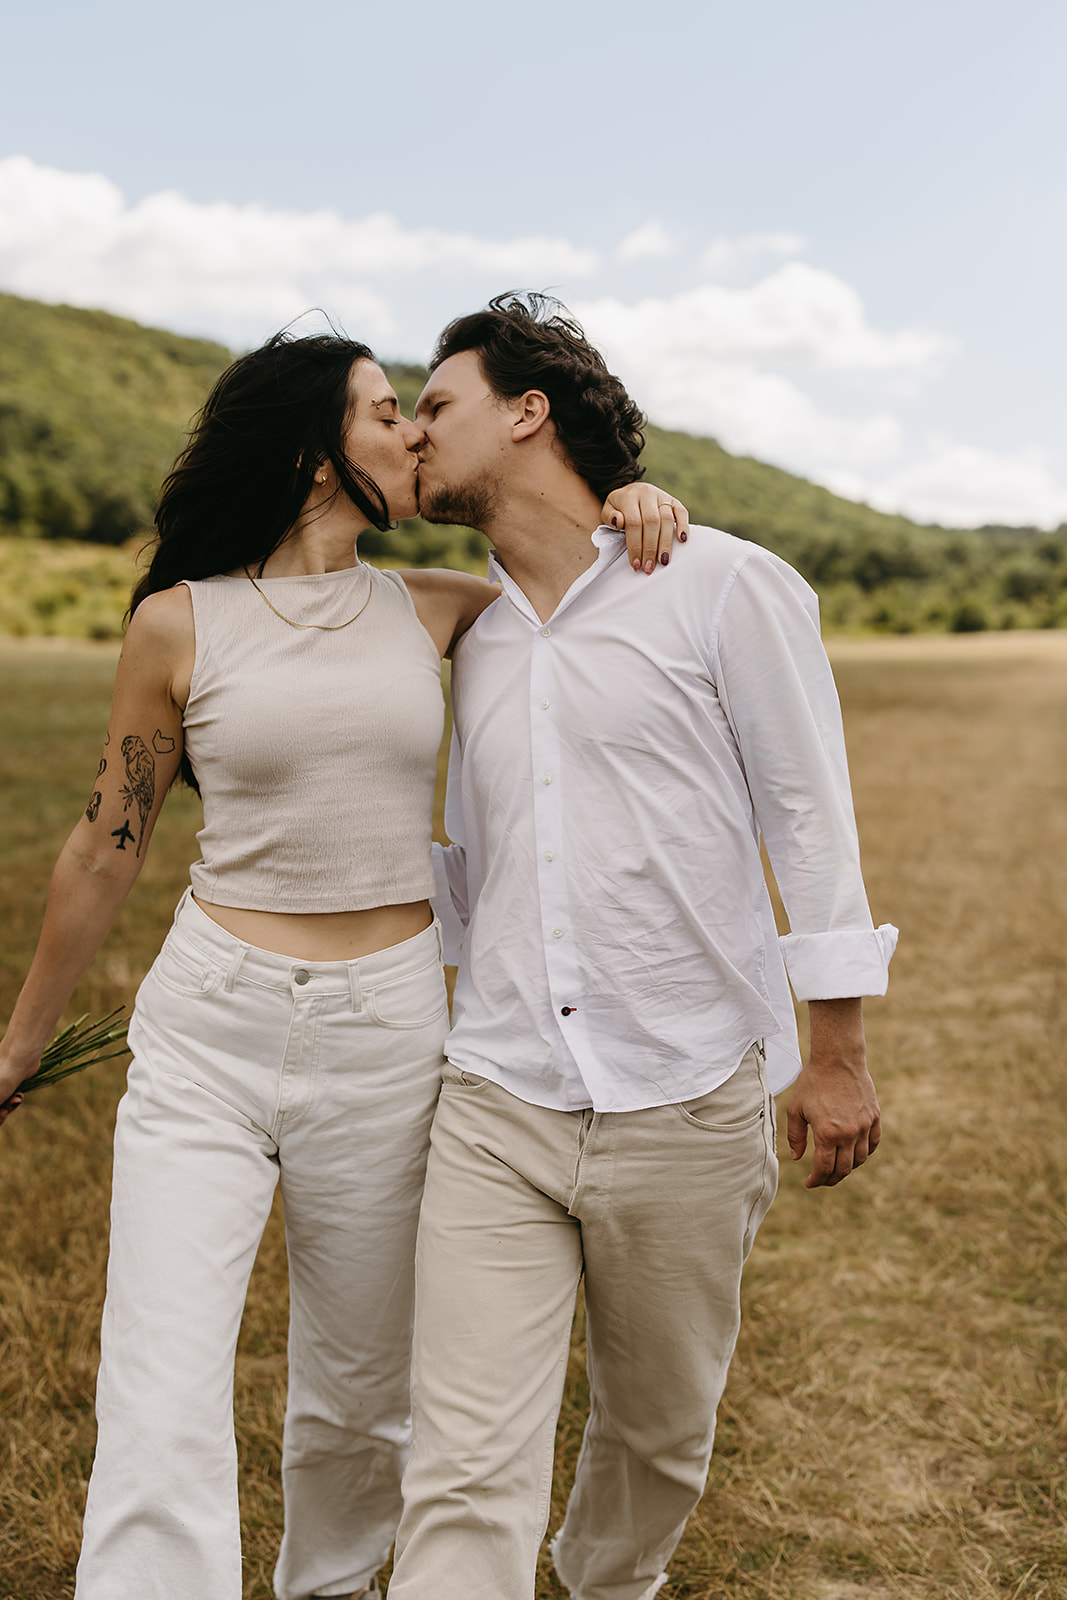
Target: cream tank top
{"type": "Point", "coordinates": [315, 752]}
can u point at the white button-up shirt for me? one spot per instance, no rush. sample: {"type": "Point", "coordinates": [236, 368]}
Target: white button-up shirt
{"type": "Point", "coordinates": [612, 771]}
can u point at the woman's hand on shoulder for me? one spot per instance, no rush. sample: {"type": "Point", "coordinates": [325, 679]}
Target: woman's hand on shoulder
{"type": "Point", "coordinates": [651, 519]}
{"type": "Point", "coordinates": [447, 602]}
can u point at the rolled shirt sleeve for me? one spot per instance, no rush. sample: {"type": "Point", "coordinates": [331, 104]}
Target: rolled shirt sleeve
{"type": "Point", "coordinates": [777, 689]}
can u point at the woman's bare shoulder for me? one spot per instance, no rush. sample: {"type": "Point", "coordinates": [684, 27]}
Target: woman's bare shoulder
{"type": "Point", "coordinates": [162, 626]}
{"type": "Point", "coordinates": [447, 602]}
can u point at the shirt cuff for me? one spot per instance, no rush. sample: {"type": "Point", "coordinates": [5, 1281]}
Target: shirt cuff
{"type": "Point", "coordinates": [443, 904]}
{"type": "Point", "coordinates": [841, 964]}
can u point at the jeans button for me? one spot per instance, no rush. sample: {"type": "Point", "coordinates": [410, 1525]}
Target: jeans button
{"type": "Point", "coordinates": [301, 977]}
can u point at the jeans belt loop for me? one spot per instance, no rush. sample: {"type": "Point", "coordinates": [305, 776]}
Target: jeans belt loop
{"type": "Point", "coordinates": [236, 963]}
{"type": "Point", "coordinates": [354, 988]}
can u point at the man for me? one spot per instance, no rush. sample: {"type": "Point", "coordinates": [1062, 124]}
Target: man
{"type": "Point", "coordinates": [622, 1013]}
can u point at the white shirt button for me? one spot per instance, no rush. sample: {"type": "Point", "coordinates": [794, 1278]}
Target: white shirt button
{"type": "Point", "coordinates": [546, 633]}
{"type": "Point", "coordinates": [544, 705]}
{"type": "Point", "coordinates": [550, 855]}
{"type": "Point", "coordinates": [546, 778]}
{"type": "Point", "coordinates": [557, 933]}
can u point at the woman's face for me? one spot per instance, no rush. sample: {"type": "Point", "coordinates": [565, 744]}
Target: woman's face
{"type": "Point", "coordinates": [382, 441]}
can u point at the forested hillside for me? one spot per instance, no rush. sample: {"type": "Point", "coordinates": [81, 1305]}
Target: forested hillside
{"type": "Point", "coordinates": [93, 409]}
{"type": "Point", "coordinates": [92, 412]}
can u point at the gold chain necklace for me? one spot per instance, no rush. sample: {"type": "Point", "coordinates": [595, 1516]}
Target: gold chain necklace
{"type": "Point", "coordinates": [323, 627]}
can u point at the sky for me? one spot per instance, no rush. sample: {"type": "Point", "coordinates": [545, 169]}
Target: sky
{"type": "Point", "coordinates": [830, 235]}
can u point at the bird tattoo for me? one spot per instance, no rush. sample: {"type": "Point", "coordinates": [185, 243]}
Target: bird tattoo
{"type": "Point", "coordinates": [140, 786]}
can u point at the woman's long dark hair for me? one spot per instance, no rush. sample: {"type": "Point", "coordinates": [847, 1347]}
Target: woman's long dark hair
{"type": "Point", "coordinates": [272, 420]}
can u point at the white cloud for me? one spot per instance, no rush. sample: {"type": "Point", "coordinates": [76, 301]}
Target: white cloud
{"type": "Point", "coordinates": [703, 361]}
{"type": "Point", "coordinates": [725, 256]}
{"type": "Point", "coordinates": [648, 241]}
{"type": "Point", "coordinates": [236, 271]}
{"type": "Point", "coordinates": [797, 316]}
{"type": "Point", "coordinates": [960, 485]}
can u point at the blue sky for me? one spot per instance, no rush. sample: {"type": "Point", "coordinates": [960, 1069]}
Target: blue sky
{"type": "Point", "coordinates": [833, 235]}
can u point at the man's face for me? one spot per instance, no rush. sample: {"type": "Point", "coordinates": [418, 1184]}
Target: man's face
{"type": "Point", "coordinates": [466, 436]}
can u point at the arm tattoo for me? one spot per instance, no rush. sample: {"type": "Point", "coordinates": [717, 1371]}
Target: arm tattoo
{"type": "Point", "coordinates": [140, 786]}
{"type": "Point", "coordinates": [161, 744]}
{"type": "Point", "coordinates": [92, 810]}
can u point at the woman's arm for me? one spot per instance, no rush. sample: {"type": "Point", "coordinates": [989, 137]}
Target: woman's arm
{"type": "Point", "coordinates": [103, 855]}
{"type": "Point", "coordinates": [446, 602]}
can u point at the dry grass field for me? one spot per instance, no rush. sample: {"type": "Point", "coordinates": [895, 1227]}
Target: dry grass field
{"type": "Point", "coordinates": [895, 1426]}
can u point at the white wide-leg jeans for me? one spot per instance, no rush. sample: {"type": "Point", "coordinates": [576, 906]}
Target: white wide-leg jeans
{"type": "Point", "coordinates": [251, 1068]}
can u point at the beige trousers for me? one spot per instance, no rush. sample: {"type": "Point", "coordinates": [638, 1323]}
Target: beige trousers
{"type": "Point", "coordinates": [658, 1209]}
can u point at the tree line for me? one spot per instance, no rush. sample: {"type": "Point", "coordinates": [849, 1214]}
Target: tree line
{"type": "Point", "coordinates": [94, 408]}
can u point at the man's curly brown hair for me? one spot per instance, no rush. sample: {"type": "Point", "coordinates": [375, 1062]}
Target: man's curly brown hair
{"type": "Point", "coordinates": [528, 341]}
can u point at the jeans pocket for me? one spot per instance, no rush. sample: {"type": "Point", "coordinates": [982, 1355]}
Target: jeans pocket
{"type": "Point", "coordinates": [185, 970]}
{"type": "Point", "coordinates": [412, 1001]}
{"type": "Point", "coordinates": [739, 1103]}
{"type": "Point", "coordinates": [455, 1077]}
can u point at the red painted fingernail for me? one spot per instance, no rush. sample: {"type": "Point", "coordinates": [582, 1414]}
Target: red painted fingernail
{"type": "Point", "coordinates": [650, 566]}
{"type": "Point", "coordinates": [682, 537]}
{"type": "Point", "coordinates": [637, 565]}
{"type": "Point", "coordinates": [664, 558]}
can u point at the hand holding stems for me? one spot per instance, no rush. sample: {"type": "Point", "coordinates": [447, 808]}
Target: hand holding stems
{"type": "Point", "coordinates": [74, 1048]}
{"type": "Point", "coordinates": [15, 1069]}
{"type": "Point", "coordinates": [651, 519]}
{"type": "Point", "coordinates": [9, 1105]}
{"type": "Point", "coordinates": [834, 1095]}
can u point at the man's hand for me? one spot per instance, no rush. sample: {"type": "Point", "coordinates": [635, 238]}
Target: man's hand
{"type": "Point", "coordinates": [834, 1095]}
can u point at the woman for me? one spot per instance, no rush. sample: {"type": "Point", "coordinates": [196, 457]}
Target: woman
{"type": "Point", "coordinates": [291, 1028]}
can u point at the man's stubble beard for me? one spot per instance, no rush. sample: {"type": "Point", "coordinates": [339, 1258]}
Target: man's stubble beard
{"type": "Point", "coordinates": [467, 505]}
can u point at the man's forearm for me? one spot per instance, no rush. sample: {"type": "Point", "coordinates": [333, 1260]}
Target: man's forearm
{"type": "Point", "coordinates": [836, 1028]}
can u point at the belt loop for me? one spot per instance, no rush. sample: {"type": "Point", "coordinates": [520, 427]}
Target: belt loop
{"type": "Point", "coordinates": [354, 986]}
{"type": "Point", "coordinates": [440, 940]}
{"type": "Point", "coordinates": [236, 962]}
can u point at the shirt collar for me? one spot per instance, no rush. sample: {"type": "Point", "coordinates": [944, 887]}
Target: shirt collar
{"type": "Point", "coordinates": [610, 545]}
